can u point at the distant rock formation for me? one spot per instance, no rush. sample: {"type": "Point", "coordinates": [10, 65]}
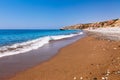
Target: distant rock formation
{"type": "Point", "coordinates": [110, 23]}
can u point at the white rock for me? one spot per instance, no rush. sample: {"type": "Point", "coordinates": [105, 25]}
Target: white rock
{"type": "Point", "coordinates": [108, 71]}
{"type": "Point", "coordinates": [103, 78]}
{"type": "Point", "coordinates": [81, 78]}
{"type": "Point", "coordinates": [115, 48]}
{"type": "Point", "coordinates": [118, 72]}
{"type": "Point", "coordinates": [106, 78]}
{"type": "Point", "coordinates": [75, 78]}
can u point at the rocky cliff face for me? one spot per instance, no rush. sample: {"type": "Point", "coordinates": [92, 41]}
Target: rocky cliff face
{"type": "Point", "coordinates": [110, 23]}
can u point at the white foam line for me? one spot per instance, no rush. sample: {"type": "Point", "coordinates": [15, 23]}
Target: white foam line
{"type": "Point", "coordinates": [31, 45]}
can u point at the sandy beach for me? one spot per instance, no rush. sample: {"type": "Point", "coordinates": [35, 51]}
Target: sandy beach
{"type": "Point", "coordinates": [59, 40]}
{"type": "Point", "coordinates": [11, 65]}
{"type": "Point", "coordinates": [90, 58]}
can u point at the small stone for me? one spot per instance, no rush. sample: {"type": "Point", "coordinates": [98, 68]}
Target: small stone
{"type": "Point", "coordinates": [81, 78]}
{"type": "Point", "coordinates": [103, 78]}
{"type": "Point", "coordinates": [118, 72]}
{"type": "Point", "coordinates": [75, 78]}
{"type": "Point", "coordinates": [115, 48]}
{"type": "Point", "coordinates": [108, 72]}
{"type": "Point", "coordinates": [106, 78]}
{"type": "Point", "coordinates": [91, 64]}
{"type": "Point", "coordinates": [94, 78]}
{"type": "Point", "coordinates": [90, 73]}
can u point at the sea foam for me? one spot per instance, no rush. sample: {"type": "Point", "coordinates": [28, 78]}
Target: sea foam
{"type": "Point", "coordinates": [31, 45]}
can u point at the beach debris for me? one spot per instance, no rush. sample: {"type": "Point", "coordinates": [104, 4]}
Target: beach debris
{"type": "Point", "coordinates": [114, 48]}
{"type": "Point", "coordinates": [81, 78]}
{"type": "Point", "coordinates": [92, 64]}
{"type": "Point", "coordinates": [90, 73]}
{"type": "Point", "coordinates": [94, 78]}
{"type": "Point", "coordinates": [117, 72]}
{"type": "Point", "coordinates": [108, 72]}
{"type": "Point", "coordinates": [75, 78]}
{"type": "Point", "coordinates": [103, 78]}
{"type": "Point", "coordinates": [106, 78]}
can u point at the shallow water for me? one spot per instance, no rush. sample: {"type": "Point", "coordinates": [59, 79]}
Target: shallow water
{"type": "Point", "coordinates": [10, 65]}
{"type": "Point", "coordinates": [19, 41]}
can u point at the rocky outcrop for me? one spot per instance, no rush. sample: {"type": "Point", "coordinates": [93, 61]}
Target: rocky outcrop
{"type": "Point", "coordinates": [110, 23]}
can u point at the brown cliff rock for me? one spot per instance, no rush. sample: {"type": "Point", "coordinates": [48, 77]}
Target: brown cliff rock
{"type": "Point", "coordinates": [110, 23]}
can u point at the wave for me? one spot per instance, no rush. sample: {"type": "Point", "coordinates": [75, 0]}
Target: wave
{"type": "Point", "coordinates": [31, 45]}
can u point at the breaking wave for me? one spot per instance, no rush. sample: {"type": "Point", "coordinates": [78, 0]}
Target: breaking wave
{"type": "Point", "coordinates": [31, 45]}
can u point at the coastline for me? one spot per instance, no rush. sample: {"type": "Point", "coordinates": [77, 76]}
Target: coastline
{"type": "Point", "coordinates": [32, 44]}
{"type": "Point", "coordinates": [87, 58]}
{"type": "Point", "coordinates": [15, 64]}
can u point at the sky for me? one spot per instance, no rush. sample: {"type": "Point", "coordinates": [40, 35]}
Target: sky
{"type": "Point", "coordinates": [54, 14]}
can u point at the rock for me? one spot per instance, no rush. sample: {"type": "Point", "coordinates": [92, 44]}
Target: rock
{"type": "Point", "coordinates": [109, 23]}
{"type": "Point", "coordinates": [118, 72]}
{"type": "Point", "coordinates": [103, 78]}
{"type": "Point", "coordinates": [95, 78]}
{"type": "Point", "coordinates": [92, 64]}
{"type": "Point", "coordinates": [81, 78]}
{"type": "Point", "coordinates": [75, 78]}
{"type": "Point", "coordinates": [106, 78]}
{"type": "Point", "coordinates": [108, 71]}
{"type": "Point", "coordinates": [114, 48]}
{"type": "Point", "coordinates": [90, 73]}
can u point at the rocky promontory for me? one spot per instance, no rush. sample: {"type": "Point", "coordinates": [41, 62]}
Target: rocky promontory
{"type": "Point", "coordinates": [109, 23]}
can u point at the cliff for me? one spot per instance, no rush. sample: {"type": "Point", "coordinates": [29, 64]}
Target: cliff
{"type": "Point", "coordinates": [110, 23]}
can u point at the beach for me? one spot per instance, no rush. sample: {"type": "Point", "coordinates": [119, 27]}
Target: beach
{"type": "Point", "coordinates": [90, 58]}
{"type": "Point", "coordinates": [59, 40]}
{"type": "Point", "coordinates": [11, 65]}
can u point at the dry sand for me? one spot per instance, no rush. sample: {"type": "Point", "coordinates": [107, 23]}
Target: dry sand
{"type": "Point", "coordinates": [87, 59]}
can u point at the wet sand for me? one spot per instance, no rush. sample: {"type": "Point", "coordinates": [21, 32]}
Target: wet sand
{"type": "Point", "coordinates": [90, 58]}
{"type": "Point", "coordinates": [11, 65]}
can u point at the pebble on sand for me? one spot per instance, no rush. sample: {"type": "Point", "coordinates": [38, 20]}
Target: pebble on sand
{"type": "Point", "coordinates": [81, 78]}
{"type": "Point", "coordinates": [75, 78]}
{"type": "Point", "coordinates": [118, 72]}
{"type": "Point", "coordinates": [115, 48]}
{"type": "Point", "coordinates": [108, 72]}
{"type": "Point", "coordinates": [103, 78]}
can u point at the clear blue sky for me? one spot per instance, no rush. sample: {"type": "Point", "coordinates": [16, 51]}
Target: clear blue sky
{"type": "Point", "coordinates": [55, 13]}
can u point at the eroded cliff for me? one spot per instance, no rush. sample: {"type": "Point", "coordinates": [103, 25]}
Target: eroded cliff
{"type": "Point", "coordinates": [110, 23]}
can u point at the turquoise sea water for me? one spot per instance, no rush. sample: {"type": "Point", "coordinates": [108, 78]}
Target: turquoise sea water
{"type": "Point", "coordinates": [18, 41]}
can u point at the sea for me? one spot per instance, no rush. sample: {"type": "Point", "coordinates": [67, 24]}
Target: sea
{"type": "Point", "coordinates": [19, 41]}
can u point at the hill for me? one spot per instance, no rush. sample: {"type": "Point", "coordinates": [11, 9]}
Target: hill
{"type": "Point", "coordinates": [109, 23]}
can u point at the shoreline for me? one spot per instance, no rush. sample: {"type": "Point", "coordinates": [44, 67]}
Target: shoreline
{"type": "Point", "coordinates": [87, 58]}
{"type": "Point", "coordinates": [15, 64]}
{"type": "Point", "coordinates": [27, 46]}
